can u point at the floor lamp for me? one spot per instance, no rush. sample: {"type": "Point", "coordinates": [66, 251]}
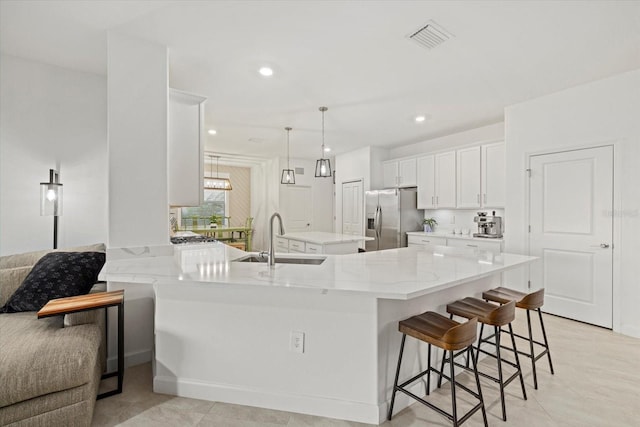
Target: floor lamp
{"type": "Point", "coordinates": [51, 201]}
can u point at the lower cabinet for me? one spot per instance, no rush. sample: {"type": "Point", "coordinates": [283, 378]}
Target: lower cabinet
{"type": "Point", "coordinates": [421, 239]}
{"type": "Point", "coordinates": [426, 241]}
{"type": "Point", "coordinates": [283, 245]}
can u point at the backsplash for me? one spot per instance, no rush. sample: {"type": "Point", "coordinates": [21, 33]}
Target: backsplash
{"type": "Point", "coordinates": [460, 219]}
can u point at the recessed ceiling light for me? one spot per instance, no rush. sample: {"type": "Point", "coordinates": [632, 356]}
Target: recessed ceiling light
{"type": "Point", "coordinates": [212, 131]}
{"type": "Point", "coordinates": [327, 149]}
{"type": "Point", "coordinates": [266, 71]}
{"type": "Point", "coordinates": [420, 119]}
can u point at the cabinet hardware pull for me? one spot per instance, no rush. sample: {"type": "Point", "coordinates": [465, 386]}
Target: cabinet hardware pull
{"type": "Point", "coordinates": [485, 197]}
{"type": "Point", "coordinates": [473, 246]}
{"type": "Point", "coordinates": [478, 198]}
{"type": "Point", "coordinates": [432, 200]}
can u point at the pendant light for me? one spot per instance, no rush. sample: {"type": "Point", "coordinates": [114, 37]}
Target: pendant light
{"type": "Point", "coordinates": [323, 166]}
{"type": "Point", "coordinates": [288, 175]}
{"type": "Point", "coordinates": [217, 183]}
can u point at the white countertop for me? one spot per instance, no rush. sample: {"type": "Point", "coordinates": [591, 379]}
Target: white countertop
{"type": "Point", "coordinates": [452, 236]}
{"type": "Point", "coordinates": [403, 273]}
{"type": "Point", "coordinates": [324, 238]}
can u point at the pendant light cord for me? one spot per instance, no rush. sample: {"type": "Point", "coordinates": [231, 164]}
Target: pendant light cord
{"type": "Point", "coordinates": [323, 109]}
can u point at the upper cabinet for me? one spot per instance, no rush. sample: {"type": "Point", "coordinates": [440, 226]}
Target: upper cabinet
{"type": "Point", "coordinates": [436, 180]}
{"type": "Point", "coordinates": [186, 148]}
{"type": "Point", "coordinates": [493, 175]}
{"type": "Point", "coordinates": [468, 177]}
{"type": "Point", "coordinates": [399, 173]}
{"type": "Point", "coordinates": [480, 176]}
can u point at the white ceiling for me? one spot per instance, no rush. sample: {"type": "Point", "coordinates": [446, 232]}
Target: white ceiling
{"type": "Point", "coordinates": [352, 56]}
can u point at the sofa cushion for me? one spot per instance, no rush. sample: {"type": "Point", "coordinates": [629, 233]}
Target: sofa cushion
{"type": "Point", "coordinates": [10, 280]}
{"type": "Point", "coordinates": [38, 356]}
{"type": "Point", "coordinates": [30, 258]}
{"type": "Point", "coordinates": [56, 275]}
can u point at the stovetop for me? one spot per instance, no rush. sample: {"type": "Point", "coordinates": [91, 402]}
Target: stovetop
{"type": "Point", "coordinates": [182, 240]}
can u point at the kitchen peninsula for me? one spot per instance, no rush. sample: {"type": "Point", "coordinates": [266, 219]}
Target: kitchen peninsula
{"type": "Point", "coordinates": [316, 339]}
{"type": "Point", "coordinates": [318, 242]}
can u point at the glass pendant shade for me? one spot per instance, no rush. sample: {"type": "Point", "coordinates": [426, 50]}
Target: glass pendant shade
{"type": "Point", "coordinates": [323, 166]}
{"type": "Point", "coordinates": [51, 196]}
{"type": "Point", "coordinates": [217, 183]}
{"type": "Point", "coordinates": [288, 175]}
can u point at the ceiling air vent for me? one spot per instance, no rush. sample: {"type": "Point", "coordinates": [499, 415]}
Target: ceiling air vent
{"type": "Point", "coordinates": [299, 171]}
{"type": "Point", "coordinates": [430, 35]}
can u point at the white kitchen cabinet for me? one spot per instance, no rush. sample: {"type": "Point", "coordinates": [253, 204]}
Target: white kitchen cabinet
{"type": "Point", "coordinates": [390, 174]}
{"type": "Point", "coordinates": [437, 181]}
{"type": "Point", "coordinates": [296, 246]}
{"type": "Point", "coordinates": [186, 149]}
{"type": "Point", "coordinates": [485, 245]}
{"type": "Point", "coordinates": [281, 245]}
{"type": "Point", "coordinates": [426, 175]}
{"type": "Point", "coordinates": [399, 173]}
{"type": "Point", "coordinates": [468, 178]}
{"type": "Point", "coordinates": [445, 179]}
{"type": "Point", "coordinates": [426, 240]}
{"type": "Point", "coordinates": [313, 248]}
{"type": "Point", "coordinates": [493, 172]}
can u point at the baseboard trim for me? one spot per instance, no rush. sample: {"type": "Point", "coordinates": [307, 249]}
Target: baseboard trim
{"type": "Point", "coordinates": [130, 359]}
{"type": "Point", "coordinates": [311, 405]}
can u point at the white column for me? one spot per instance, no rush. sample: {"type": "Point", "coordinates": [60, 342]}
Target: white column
{"type": "Point", "coordinates": [137, 80]}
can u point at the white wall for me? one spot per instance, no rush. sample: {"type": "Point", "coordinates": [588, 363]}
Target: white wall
{"type": "Point", "coordinates": [138, 87]}
{"type": "Point", "coordinates": [321, 193]}
{"type": "Point", "coordinates": [51, 118]}
{"type": "Point", "coordinates": [489, 133]}
{"type": "Point", "coordinates": [602, 112]}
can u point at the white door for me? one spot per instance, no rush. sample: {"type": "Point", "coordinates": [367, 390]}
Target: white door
{"type": "Point", "coordinates": [407, 173]}
{"type": "Point", "coordinates": [298, 208]}
{"type": "Point", "coordinates": [352, 203]}
{"type": "Point", "coordinates": [570, 207]}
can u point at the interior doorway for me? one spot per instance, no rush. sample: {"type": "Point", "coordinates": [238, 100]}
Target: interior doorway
{"type": "Point", "coordinates": [298, 208]}
{"type": "Point", "coordinates": [352, 205]}
{"type": "Point", "coordinates": [571, 231]}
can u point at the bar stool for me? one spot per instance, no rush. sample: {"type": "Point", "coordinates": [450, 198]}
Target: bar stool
{"type": "Point", "coordinates": [496, 316]}
{"type": "Point", "coordinates": [450, 336]}
{"type": "Point", "coordinates": [531, 301]}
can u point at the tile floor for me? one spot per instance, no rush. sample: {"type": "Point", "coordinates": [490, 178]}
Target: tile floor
{"type": "Point", "coordinates": [596, 383]}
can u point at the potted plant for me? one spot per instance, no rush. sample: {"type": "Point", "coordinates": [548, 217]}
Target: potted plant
{"type": "Point", "coordinates": [215, 220]}
{"type": "Point", "coordinates": [429, 224]}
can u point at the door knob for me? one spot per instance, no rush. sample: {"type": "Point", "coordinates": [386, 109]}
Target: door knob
{"type": "Point", "coordinates": [604, 245]}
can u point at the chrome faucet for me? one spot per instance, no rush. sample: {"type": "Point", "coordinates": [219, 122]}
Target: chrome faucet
{"type": "Point", "coordinates": [271, 255]}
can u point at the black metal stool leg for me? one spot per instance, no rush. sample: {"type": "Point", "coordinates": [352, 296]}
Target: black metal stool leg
{"type": "Point", "coordinates": [498, 331]}
{"type": "Point", "coordinates": [429, 368]}
{"type": "Point", "coordinates": [533, 355]}
{"type": "Point", "coordinates": [479, 341]}
{"type": "Point", "coordinates": [546, 343]}
{"type": "Point", "coordinates": [515, 352]}
{"type": "Point", "coordinates": [395, 384]}
{"type": "Point", "coordinates": [444, 358]}
{"type": "Point", "coordinates": [453, 389]}
{"type": "Point", "coordinates": [475, 373]}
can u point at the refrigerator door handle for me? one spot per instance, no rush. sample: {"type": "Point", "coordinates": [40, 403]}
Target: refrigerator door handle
{"type": "Point", "coordinates": [379, 221]}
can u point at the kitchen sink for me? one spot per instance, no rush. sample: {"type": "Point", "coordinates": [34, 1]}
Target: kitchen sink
{"type": "Point", "coordinates": [283, 260]}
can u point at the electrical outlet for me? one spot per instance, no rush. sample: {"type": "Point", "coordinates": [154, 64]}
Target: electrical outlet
{"type": "Point", "coordinates": [296, 343]}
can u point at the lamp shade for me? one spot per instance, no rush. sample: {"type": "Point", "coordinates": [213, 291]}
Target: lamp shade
{"type": "Point", "coordinates": [51, 195]}
{"type": "Point", "coordinates": [288, 176]}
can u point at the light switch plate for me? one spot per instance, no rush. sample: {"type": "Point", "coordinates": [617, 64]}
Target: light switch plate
{"type": "Point", "coordinates": [296, 343]}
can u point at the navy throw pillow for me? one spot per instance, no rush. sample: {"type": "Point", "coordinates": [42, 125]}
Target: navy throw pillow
{"type": "Point", "coordinates": [56, 275]}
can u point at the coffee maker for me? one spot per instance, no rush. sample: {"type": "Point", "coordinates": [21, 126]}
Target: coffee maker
{"type": "Point", "coordinates": [488, 226]}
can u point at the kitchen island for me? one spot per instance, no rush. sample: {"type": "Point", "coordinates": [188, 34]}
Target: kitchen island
{"type": "Point", "coordinates": [316, 339]}
{"type": "Point", "coordinates": [319, 242]}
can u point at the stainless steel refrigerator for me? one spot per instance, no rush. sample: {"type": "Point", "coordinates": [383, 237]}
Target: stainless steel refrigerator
{"type": "Point", "coordinates": [389, 214]}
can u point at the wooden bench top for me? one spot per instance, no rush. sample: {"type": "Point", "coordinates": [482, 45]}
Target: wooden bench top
{"type": "Point", "coordinates": [81, 303]}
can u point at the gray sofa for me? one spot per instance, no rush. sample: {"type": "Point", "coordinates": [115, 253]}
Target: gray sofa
{"type": "Point", "coordinates": [50, 368]}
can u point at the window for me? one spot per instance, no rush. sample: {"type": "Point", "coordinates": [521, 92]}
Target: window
{"type": "Point", "coordinates": [216, 202]}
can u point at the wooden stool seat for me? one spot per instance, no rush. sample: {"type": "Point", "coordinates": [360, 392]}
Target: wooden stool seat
{"type": "Point", "coordinates": [496, 316]}
{"type": "Point", "coordinates": [486, 312]}
{"type": "Point", "coordinates": [436, 329]}
{"type": "Point", "coordinates": [531, 302]}
{"type": "Point", "coordinates": [449, 335]}
{"type": "Point", "coordinates": [527, 301]}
